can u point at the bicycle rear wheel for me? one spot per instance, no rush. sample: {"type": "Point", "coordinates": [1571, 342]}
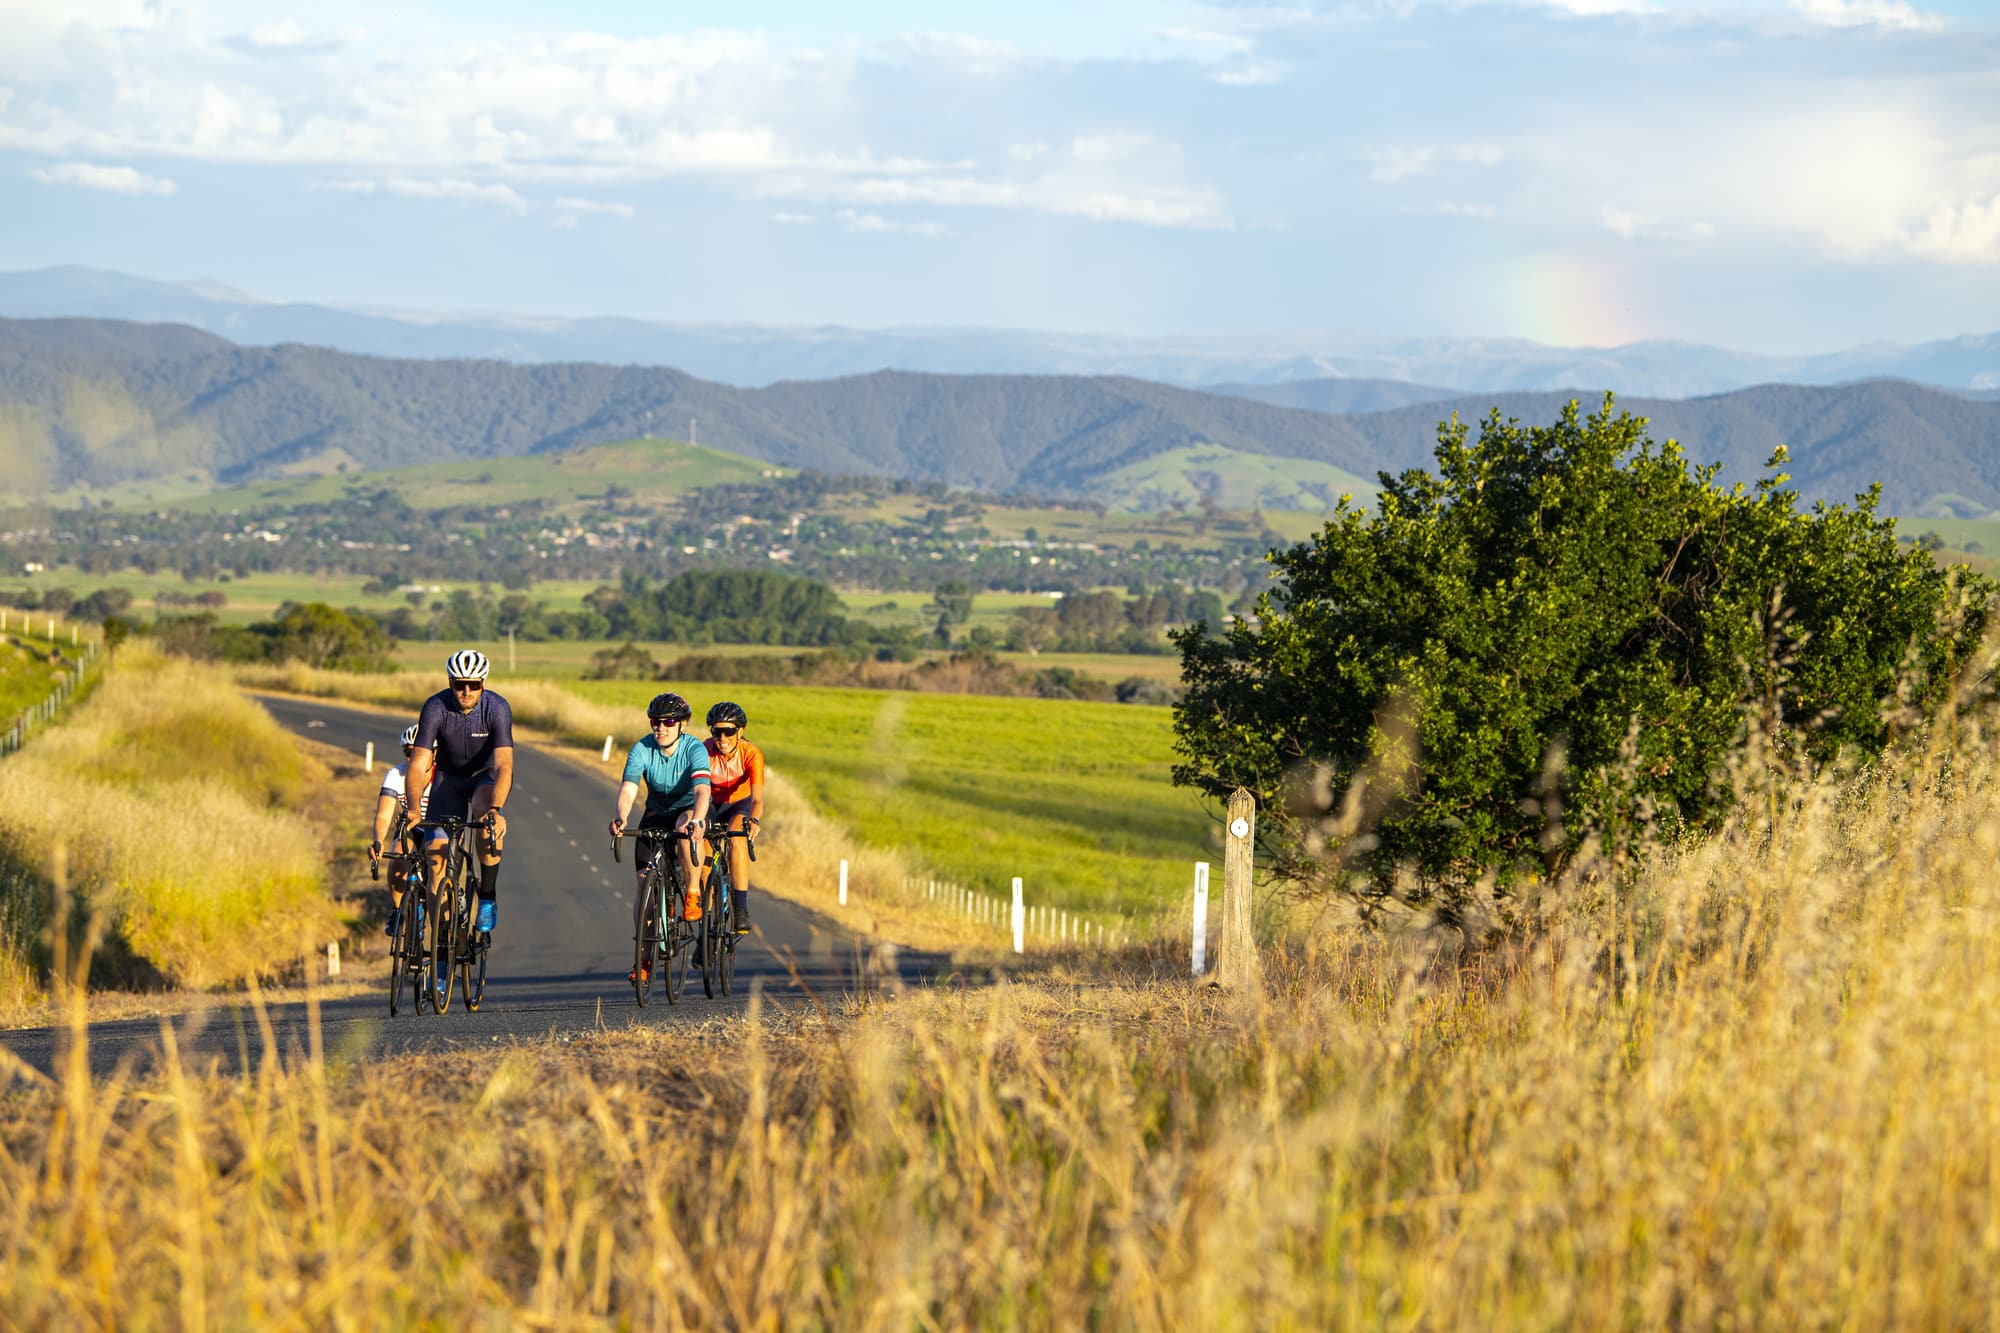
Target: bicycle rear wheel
{"type": "Point", "coordinates": [727, 937]}
{"type": "Point", "coordinates": [472, 971]}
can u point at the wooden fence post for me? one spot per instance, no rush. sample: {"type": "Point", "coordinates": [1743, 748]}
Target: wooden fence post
{"type": "Point", "coordinates": [1238, 968]}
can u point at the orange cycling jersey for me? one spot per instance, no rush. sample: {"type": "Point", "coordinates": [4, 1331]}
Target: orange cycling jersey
{"type": "Point", "coordinates": [733, 777]}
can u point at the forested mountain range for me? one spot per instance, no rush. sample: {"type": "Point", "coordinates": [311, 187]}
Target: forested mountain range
{"type": "Point", "coordinates": [101, 402]}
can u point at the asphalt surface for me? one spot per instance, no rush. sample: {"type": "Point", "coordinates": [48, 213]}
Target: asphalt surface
{"type": "Point", "coordinates": [559, 955]}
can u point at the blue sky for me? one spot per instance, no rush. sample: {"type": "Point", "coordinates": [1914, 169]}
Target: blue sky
{"type": "Point", "coordinates": [1774, 175]}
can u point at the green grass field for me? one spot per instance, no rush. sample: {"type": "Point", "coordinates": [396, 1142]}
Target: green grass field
{"type": "Point", "coordinates": [1072, 797]}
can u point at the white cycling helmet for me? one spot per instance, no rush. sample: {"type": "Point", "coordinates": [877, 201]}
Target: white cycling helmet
{"type": "Point", "coordinates": [467, 664]}
{"type": "Point", "coordinates": [410, 736]}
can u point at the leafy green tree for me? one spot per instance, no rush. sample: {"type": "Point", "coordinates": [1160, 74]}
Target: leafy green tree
{"type": "Point", "coordinates": [1572, 592]}
{"type": "Point", "coordinates": [325, 636]}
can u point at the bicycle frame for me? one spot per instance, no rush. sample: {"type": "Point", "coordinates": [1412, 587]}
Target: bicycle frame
{"type": "Point", "coordinates": [661, 934]}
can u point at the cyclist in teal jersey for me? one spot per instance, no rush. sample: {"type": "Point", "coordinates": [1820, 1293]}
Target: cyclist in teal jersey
{"type": "Point", "coordinates": [674, 767]}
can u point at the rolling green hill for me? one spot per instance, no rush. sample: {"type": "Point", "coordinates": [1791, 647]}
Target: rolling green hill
{"type": "Point", "coordinates": [1235, 479]}
{"type": "Point", "coordinates": [98, 404]}
{"type": "Point", "coordinates": [646, 471]}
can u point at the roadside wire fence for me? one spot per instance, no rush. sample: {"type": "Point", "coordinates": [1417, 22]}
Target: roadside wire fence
{"type": "Point", "coordinates": [78, 667]}
{"type": "Point", "coordinates": [1016, 915]}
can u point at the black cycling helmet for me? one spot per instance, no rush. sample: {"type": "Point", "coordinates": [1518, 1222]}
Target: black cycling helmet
{"type": "Point", "coordinates": [728, 713]}
{"type": "Point", "coordinates": [669, 707]}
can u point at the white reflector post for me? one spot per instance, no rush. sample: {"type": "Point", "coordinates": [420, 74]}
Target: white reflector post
{"type": "Point", "coordinates": [1200, 916]}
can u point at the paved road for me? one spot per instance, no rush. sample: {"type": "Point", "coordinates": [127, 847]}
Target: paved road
{"type": "Point", "coordinates": [561, 951]}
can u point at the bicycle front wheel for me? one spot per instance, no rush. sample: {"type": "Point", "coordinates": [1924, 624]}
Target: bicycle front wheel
{"type": "Point", "coordinates": [646, 939]}
{"type": "Point", "coordinates": [398, 967]}
{"type": "Point", "coordinates": [444, 938]}
{"type": "Point", "coordinates": [680, 936]}
{"type": "Point", "coordinates": [713, 939]}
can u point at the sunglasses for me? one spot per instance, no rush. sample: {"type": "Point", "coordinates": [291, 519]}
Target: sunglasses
{"type": "Point", "coordinates": [723, 731]}
{"type": "Point", "coordinates": [663, 722]}
{"type": "Point", "coordinates": [467, 686]}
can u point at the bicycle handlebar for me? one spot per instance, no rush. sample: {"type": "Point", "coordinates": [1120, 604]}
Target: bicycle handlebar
{"type": "Point", "coordinates": [668, 834]}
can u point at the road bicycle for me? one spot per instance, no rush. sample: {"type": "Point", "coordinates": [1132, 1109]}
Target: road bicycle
{"type": "Point", "coordinates": [453, 944]}
{"type": "Point", "coordinates": [663, 935]}
{"type": "Point", "coordinates": [718, 912]}
{"type": "Point", "coordinates": [409, 956]}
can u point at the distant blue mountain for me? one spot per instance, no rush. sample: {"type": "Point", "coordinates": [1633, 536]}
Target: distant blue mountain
{"type": "Point", "coordinates": [743, 354]}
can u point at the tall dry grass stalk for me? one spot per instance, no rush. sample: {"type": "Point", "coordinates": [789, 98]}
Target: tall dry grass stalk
{"type": "Point", "coordinates": [166, 794]}
{"type": "Point", "coordinates": [1746, 1084]}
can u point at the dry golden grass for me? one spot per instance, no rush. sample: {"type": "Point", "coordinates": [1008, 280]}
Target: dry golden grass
{"type": "Point", "coordinates": [165, 801]}
{"type": "Point", "coordinates": [1749, 1084]}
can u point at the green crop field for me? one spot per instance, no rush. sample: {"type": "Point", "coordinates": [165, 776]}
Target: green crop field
{"type": "Point", "coordinates": [1072, 797]}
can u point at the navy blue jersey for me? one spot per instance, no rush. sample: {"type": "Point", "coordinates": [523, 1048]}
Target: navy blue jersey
{"type": "Point", "coordinates": [463, 743]}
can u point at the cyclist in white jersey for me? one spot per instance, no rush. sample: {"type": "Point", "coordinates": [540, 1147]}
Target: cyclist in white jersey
{"type": "Point", "coordinates": [393, 797]}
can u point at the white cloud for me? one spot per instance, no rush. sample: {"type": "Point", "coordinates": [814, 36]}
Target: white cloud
{"type": "Point", "coordinates": [1892, 14]}
{"type": "Point", "coordinates": [458, 191]}
{"type": "Point", "coordinates": [954, 53]}
{"type": "Point", "coordinates": [112, 180]}
{"type": "Point", "coordinates": [876, 224]}
{"type": "Point", "coordinates": [1396, 163]}
{"type": "Point", "coordinates": [1641, 227]}
{"type": "Point", "coordinates": [1967, 232]}
{"type": "Point", "coordinates": [281, 35]}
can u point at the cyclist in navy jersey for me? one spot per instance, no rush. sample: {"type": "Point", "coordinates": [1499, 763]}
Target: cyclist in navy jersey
{"type": "Point", "coordinates": [466, 732]}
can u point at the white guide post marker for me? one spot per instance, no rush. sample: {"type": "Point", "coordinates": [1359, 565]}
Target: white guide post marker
{"type": "Point", "coordinates": [607, 758]}
{"type": "Point", "coordinates": [1200, 916]}
{"type": "Point", "coordinates": [333, 959]}
{"type": "Point", "coordinates": [843, 883]}
{"type": "Point", "coordinates": [368, 758]}
{"type": "Point", "coordinates": [1020, 917]}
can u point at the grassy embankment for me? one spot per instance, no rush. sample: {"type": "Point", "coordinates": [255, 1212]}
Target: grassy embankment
{"type": "Point", "coordinates": [166, 801]}
{"type": "Point", "coordinates": [1073, 797]}
{"type": "Point", "coordinates": [27, 674]}
{"type": "Point", "coordinates": [1750, 1087]}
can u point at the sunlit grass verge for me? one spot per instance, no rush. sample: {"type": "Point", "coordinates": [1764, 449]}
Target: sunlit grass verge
{"type": "Point", "coordinates": [1751, 1086]}
{"type": "Point", "coordinates": [166, 803]}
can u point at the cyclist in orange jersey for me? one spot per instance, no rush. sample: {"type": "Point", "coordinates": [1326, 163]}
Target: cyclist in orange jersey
{"type": "Point", "coordinates": [736, 777]}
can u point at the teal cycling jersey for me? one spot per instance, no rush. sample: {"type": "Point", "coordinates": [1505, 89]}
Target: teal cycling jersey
{"type": "Point", "coordinates": [670, 775]}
